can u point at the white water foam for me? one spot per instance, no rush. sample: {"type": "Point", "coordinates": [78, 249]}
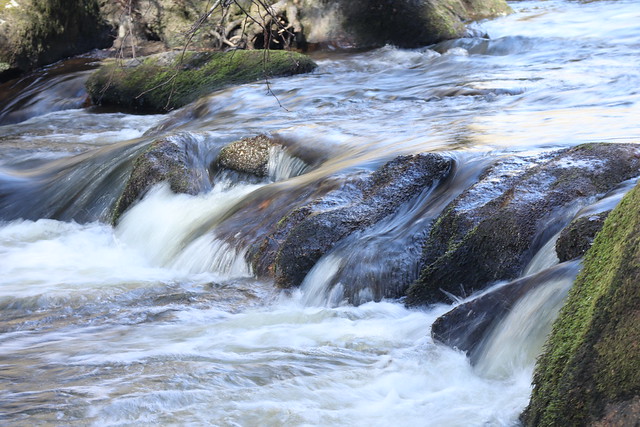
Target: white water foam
{"type": "Point", "coordinates": [174, 230]}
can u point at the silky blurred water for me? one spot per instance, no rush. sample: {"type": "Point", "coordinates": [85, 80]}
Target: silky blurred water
{"type": "Point", "coordinates": [155, 322]}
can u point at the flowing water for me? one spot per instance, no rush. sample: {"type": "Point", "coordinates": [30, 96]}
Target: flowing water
{"type": "Point", "coordinates": [159, 320]}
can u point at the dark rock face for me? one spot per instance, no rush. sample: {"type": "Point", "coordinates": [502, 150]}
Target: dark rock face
{"type": "Point", "coordinates": [492, 230]}
{"type": "Point", "coordinates": [589, 373]}
{"type": "Point", "coordinates": [172, 159]}
{"type": "Point", "coordinates": [316, 228]}
{"type": "Point", "coordinates": [577, 237]}
{"type": "Point", "coordinates": [467, 325]}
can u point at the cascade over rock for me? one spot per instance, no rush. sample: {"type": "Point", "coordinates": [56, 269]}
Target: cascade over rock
{"type": "Point", "coordinates": [315, 228]}
{"type": "Point", "coordinates": [467, 325]}
{"type": "Point", "coordinates": [169, 159]}
{"type": "Point", "coordinates": [493, 229]}
{"type": "Point", "coordinates": [320, 213]}
{"type": "Point", "coordinates": [589, 373]}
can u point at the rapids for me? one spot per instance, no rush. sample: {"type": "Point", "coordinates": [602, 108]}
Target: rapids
{"type": "Point", "coordinates": [158, 321]}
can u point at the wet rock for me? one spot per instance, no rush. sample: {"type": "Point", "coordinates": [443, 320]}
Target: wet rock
{"type": "Point", "coordinates": [493, 229]}
{"type": "Point", "coordinates": [590, 368]}
{"type": "Point", "coordinates": [35, 33]}
{"type": "Point", "coordinates": [468, 325]}
{"type": "Point", "coordinates": [577, 237]}
{"type": "Point", "coordinates": [173, 159]}
{"type": "Point", "coordinates": [315, 228]}
{"type": "Point", "coordinates": [248, 155]}
{"type": "Point", "coordinates": [163, 82]}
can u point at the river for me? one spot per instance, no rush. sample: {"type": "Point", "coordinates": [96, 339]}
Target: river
{"type": "Point", "coordinates": [146, 323]}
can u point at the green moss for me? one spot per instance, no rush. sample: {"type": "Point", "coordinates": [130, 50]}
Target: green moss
{"type": "Point", "coordinates": [157, 86]}
{"type": "Point", "coordinates": [41, 32]}
{"type": "Point", "coordinates": [592, 357]}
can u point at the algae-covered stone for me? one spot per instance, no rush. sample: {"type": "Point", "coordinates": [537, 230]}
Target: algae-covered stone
{"type": "Point", "coordinates": [493, 229]}
{"type": "Point", "coordinates": [163, 82]}
{"type": "Point", "coordinates": [35, 32]}
{"type": "Point", "coordinates": [589, 373]}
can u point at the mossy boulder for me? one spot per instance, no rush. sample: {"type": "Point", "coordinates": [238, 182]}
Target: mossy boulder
{"type": "Point", "coordinates": [163, 82]}
{"type": "Point", "coordinates": [577, 237]}
{"type": "Point", "coordinates": [493, 229]}
{"type": "Point", "coordinates": [589, 373]}
{"type": "Point", "coordinates": [173, 159]}
{"type": "Point", "coordinates": [35, 33]}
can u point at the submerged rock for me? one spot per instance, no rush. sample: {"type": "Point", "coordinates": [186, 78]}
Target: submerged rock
{"type": "Point", "coordinates": [577, 237]}
{"type": "Point", "coordinates": [493, 229]}
{"type": "Point", "coordinates": [163, 82]}
{"type": "Point", "coordinates": [172, 159]}
{"type": "Point", "coordinates": [589, 373]}
{"type": "Point", "coordinates": [468, 325]}
{"type": "Point", "coordinates": [35, 33]}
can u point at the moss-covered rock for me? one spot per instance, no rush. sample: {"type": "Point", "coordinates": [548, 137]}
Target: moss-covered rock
{"type": "Point", "coordinates": [172, 160]}
{"type": "Point", "coordinates": [589, 373]}
{"type": "Point", "coordinates": [35, 32]}
{"type": "Point", "coordinates": [577, 237]}
{"type": "Point", "coordinates": [493, 229]}
{"type": "Point", "coordinates": [167, 81]}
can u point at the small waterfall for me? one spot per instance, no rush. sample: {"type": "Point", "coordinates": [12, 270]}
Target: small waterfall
{"type": "Point", "coordinates": [173, 230]}
{"type": "Point", "coordinates": [545, 258]}
{"type": "Point", "coordinates": [283, 166]}
{"type": "Point", "coordinates": [381, 261]}
{"type": "Point", "coordinates": [517, 340]}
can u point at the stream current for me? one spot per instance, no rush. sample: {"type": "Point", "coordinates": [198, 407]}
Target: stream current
{"type": "Point", "coordinates": [153, 322]}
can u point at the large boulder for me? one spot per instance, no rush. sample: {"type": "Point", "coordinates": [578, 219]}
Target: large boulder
{"type": "Point", "coordinates": [34, 33]}
{"type": "Point", "coordinates": [166, 81]}
{"type": "Point", "coordinates": [589, 373]}
{"type": "Point", "coordinates": [493, 229]}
